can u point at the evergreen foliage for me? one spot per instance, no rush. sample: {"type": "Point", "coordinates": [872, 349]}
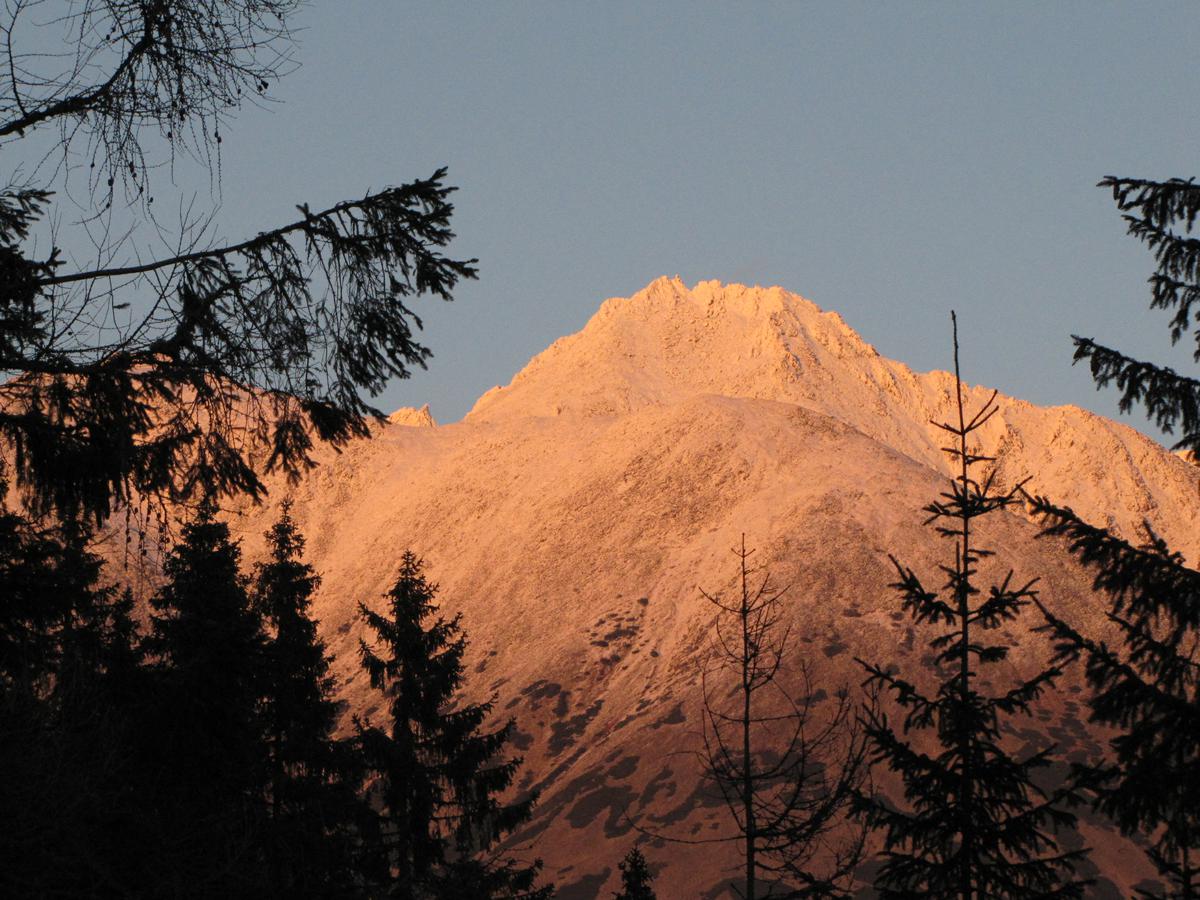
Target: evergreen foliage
{"type": "Point", "coordinates": [636, 881]}
{"type": "Point", "coordinates": [1147, 686]}
{"type": "Point", "coordinates": [205, 740]}
{"type": "Point", "coordinates": [787, 781]}
{"type": "Point", "coordinates": [185, 374]}
{"type": "Point", "coordinates": [70, 671]}
{"type": "Point", "coordinates": [56, 620]}
{"type": "Point", "coordinates": [977, 824]}
{"type": "Point", "coordinates": [312, 803]}
{"type": "Point", "coordinates": [201, 760]}
{"type": "Point", "coordinates": [438, 773]}
{"type": "Point", "coordinates": [95, 716]}
{"type": "Point", "coordinates": [98, 637]}
{"type": "Point", "coordinates": [32, 613]}
{"type": "Point", "coordinates": [1161, 214]}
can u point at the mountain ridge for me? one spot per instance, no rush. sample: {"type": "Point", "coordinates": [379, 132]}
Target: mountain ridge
{"type": "Point", "coordinates": [767, 343]}
{"type": "Point", "coordinates": [573, 516]}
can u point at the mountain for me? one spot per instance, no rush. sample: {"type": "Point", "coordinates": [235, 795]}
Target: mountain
{"type": "Point", "coordinates": [573, 516]}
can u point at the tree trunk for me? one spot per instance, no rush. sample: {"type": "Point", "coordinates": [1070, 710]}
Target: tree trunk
{"type": "Point", "coordinates": [747, 773]}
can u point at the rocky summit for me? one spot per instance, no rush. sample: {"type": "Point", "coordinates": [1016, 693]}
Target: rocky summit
{"type": "Point", "coordinates": [573, 516]}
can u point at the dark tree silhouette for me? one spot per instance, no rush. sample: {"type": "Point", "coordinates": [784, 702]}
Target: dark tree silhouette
{"type": "Point", "coordinates": [312, 806]}
{"type": "Point", "coordinates": [206, 726]}
{"type": "Point", "coordinates": [636, 881]}
{"type": "Point", "coordinates": [180, 374]}
{"type": "Point", "coordinates": [93, 719]}
{"type": "Point", "coordinates": [100, 638]}
{"type": "Point", "coordinates": [31, 616]}
{"type": "Point", "coordinates": [438, 773]}
{"type": "Point", "coordinates": [1147, 687]}
{"type": "Point", "coordinates": [1161, 214]}
{"type": "Point", "coordinates": [978, 825]}
{"type": "Point", "coordinates": [69, 662]}
{"type": "Point", "coordinates": [787, 781]}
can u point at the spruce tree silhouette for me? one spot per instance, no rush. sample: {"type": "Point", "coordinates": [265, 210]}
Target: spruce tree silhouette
{"type": "Point", "coordinates": [636, 881]}
{"type": "Point", "coordinates": [787, 779]}
{"type": "Point", "coordinates": [97, 637]}
{"type": "Point", "coordinates": [977, 825]}
{"type": "Point", "coordinates": [95, 712]}
{"type": "Point", "coordinates": [205, 739]}
{"type": "Point", "coordinates": [1147, 686]}
{"type": "Point", "coordinates": [312, 804]}
{"type": "Point", "coordinates": [438, 773]}
{"type": "Point", "coordinates": [68, 667]}
{"type": "Point", "coordinates": [35, 608]}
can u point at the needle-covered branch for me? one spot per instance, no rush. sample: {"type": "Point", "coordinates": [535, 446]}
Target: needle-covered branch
{"type": "Point", "coordinates": [195, 371]}
{"type": "Point", "coordinates": [1146, 685]}
{"type": "Point", "coordinates": [1170, 400]}
{"type": "Point", "coordinates": [249, 352]}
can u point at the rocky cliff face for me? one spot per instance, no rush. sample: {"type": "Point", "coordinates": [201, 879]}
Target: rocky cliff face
{"type": "Point", "coordinates": [574, 514]}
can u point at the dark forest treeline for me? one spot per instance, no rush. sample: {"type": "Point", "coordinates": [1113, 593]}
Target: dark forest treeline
{"type": "Point", "coordinates": [198, 757]}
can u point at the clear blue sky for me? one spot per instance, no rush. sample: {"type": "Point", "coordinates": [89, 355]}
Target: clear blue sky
{"type": "Point", "coordinates": [889, 161]}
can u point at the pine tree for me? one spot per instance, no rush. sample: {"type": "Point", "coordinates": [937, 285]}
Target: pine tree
{"type": "Point", "coordinates": [311, 804]}
{"type": "Point", "coordinates": [1161, 214]}
{"type": "Point", "coordinates": [122, 653]}
{"type": "Point", "coordinates": [66, 714]}
{"type": "Point", "coordinates": [94, 715]}
{"type": "Point", "coordinates": [636, 881]}
{"type": "Point", "coordinates": [977, 823]}
{"type": "Point", "coordinates": [98, 636]}
{"type": "Point", "coordinates": [438, 772]}
{"type": "Point", "coordinates": [206, 737]}
{"type": "Point", "coordinates": [1147, 685]}
{"type": "Point", "coordinates": [32, 613]}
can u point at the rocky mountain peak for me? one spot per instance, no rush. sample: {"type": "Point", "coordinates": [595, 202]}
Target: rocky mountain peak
{"type": "Point", "coordinates": [413, 418]}
{"type": "Point", "coordinates": [574, 514]}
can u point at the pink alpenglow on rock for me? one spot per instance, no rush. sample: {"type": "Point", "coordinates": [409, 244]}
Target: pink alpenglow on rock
{"type": "Point", "coordinates": [573, 515]}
